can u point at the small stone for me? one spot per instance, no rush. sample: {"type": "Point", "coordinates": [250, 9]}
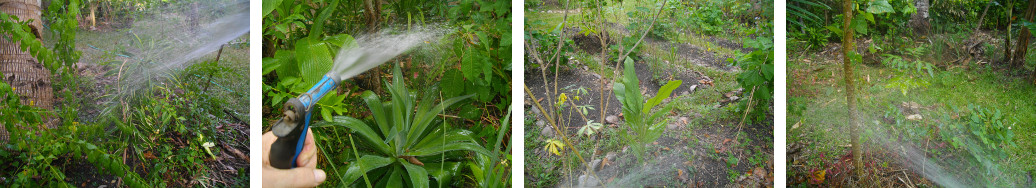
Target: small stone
{"type": "Point", "coordinates": [586, 180]}
{"type": "Point", "coordinates": [540, 123]}
{"type": "Point", "coordinates": [759, 173]}
{"type": "Point", "coordinates": [684, 93]}
{"type": "Point", "coordinates": [594, 164]}
{"type": "Point", "coordinates": [693, 87]}
{"type": "Point", "coordinates": [535, 111]}
{"type": "Point", "coordinates": [547, 132]}
{"type": "Point", "coordinates": [611, 156]}
{"type": "Point", "coordinates": [915, 117]}
{"type": "Point", "coordinates": [675, 126]}
{"type": "Point", "coordinates": [612, 119]}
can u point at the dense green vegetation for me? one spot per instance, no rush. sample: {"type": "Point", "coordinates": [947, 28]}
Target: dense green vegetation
{"type": "Point", "coordinates": [467, 66]}
{"type": "Point", "coordinates": [673, 81]}
{"type": "Point", "coordinates": [119, 124]}
{"type": "Point", "coordinates": [948, 90]}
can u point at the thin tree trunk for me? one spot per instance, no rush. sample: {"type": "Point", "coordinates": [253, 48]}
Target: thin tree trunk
{"type": "Point", "coordinates": [1023, 38]}
{"type": "Point", "coordinates": [373, 12]}
{"type": "Point", "coordinates": [850, 96]}
{"type": "Point", "coordinates": [93, 15]}
{"type": "Point", "coordinates": [983, 17]}
{"type": "Point", "coordinates": [1007, 41]}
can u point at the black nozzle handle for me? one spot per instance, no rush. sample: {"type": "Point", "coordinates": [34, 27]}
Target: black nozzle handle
{"type": "Point", "coordinates": [290, 131]}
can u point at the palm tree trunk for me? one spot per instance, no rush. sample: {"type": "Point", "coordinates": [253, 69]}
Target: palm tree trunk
{"type": "Point", "coordinates": [1023, 38]}
{"type": "Point", "coordinates": [22, 71]}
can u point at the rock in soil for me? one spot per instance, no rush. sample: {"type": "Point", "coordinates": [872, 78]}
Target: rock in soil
{"type": "Point", "coordinates": [612, 119]}
{"type": "Point", "coordinates": [540, 123]}
{"type": "Point", "coordinates": [611, 156]}
{"type": "Point", "coordinates": [547, 132]}
{"type": "Point", "coordinates": [594, 164]}
{"type": "Point", "coordinates": [915, 117]}
{"type": "Point", "coordinates": [675, 126]}
{"type": "Point", "coordinates": [586, 180]}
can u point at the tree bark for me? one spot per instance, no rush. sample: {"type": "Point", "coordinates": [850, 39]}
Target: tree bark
{"type": "Point", "coordinates": [93, 15]}
{"type": "Point", "coordinates": [1007, 41]}
{"type": "Point", "coordinates": [850, 96]}
{"type": "Point", "coordinates": [31, 81]}
{"type": "Point", "coordinates": [1023, 37]}
{"type": "Point", "coordinates": [919, 21]}
{"type": "Point", "coordinates": [372, 10]}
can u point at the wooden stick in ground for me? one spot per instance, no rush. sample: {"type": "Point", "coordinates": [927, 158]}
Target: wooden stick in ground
{"type": "Point", "coordinates": [607, 100]}
{"type": "Point", "coordinates": [747, 109]}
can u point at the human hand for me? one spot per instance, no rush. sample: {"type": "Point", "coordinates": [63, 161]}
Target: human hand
{"type": "Point", "coordinates": [305, 175]}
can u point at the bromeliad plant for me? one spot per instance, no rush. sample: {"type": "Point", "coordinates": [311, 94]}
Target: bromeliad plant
{"type": "Point", "coordinates": [642, 126]}
{"type": "Point", "coordinates": [404, 130]}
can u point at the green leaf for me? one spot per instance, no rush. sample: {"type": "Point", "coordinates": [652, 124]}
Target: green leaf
{"type": "Point", "coordinates": [269, 5]}
{"type": "Point", "coordinates": [834, 29]}
{"type": "Point", "coordinates": [438, 149]}
{"type": "Point", "coordinates": [879, 7]}
{"type": "Point", "coordinates": [453, 83]}
{"type": "Point", "coordinates": [663, 93]}
{"type": "Point", "coordinates": [443, 172]}
{"type": "Point", "coordinates": [363, 130]}
{"type": "Point", "coordinates": [314, 59]}
{"type": "Point", "coordinates": [418, 176]}
{"type": "Point", "coordinates": [368, 163]}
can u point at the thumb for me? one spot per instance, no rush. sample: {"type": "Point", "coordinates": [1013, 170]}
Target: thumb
{"type": "Point", "coordinates": [297, 177]}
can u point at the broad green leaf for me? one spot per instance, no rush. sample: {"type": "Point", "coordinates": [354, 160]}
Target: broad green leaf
{"type": "Point", "coordinates": [834, 29]}
{"type": "Point", "coordinates": [363, 130]}
{"type": "Point", "coordinates": [314, 59]}
{"type": "Point", "coordinates": [378, 111]}
{"type": "Point", "coordinates": [879, 7]}
{"type": "Point", "coordinates": [443, 172]}
{"type": "Point", "coordinates": [269, 5]}
{"type": "Point", "coordinates": [418, 176]}
{"type": "Point", "coordinates": [424, 118]}
{"type": "Point", "coordinates": [663, 93]}
{"type": "Point", "coordinates": [438, 149]}
{"type": "Point", "coordinates": [368, 163]}
{"type": "Point", "coordinates": [318, 24]}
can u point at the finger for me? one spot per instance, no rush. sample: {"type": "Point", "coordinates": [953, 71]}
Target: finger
{"type": "Point", "coordinates": [268, 140]}
{"type": "Point", "coordinates": [297, 177]}
{"type": "Point", "coordinates": [308, 156]}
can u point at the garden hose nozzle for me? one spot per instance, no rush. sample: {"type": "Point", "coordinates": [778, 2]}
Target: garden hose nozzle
{"type": "Point", "coordinates": [291, 137]}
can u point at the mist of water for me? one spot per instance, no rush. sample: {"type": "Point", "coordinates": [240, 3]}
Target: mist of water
{"type": "Point", "coordinates": [166, 42]}
{"type": "Point", "coordinates": [375, 49]}
{"type": "Point", "coordinates": [946, 172]}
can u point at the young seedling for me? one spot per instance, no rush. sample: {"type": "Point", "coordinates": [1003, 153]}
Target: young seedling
{"type": "Point", "coordinates": [641, 127]}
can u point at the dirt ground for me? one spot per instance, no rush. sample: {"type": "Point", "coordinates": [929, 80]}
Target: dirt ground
{"type": "Point", "coordinates": [685, 156]}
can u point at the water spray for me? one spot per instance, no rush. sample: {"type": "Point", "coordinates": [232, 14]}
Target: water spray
{"type": "Point", "coordinates": [291, 128]}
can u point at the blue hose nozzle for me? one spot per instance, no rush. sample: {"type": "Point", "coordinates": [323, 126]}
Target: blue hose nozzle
{"type": "Point", "coordinates": [285, 150]}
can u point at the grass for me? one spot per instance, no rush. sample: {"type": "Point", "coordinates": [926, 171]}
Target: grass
{"type": "Point", "coordinates": [820, 93]}
{"type": "Point", "coordinates": [173, 114]}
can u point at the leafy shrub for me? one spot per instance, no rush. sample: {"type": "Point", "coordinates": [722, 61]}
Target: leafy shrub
{"type": "Point", "coordinates": [984, 132]}
{"type": "Point", "coordinates": [911, 73]}
{"type": "Point", "coordinates": [815, 38]}
{"type": "Point", "coordinates": [757, 76]}
{"type": "Point", "coordinates": [545, 45]}
{"type": "Point", "coordinates": [642, 126]}
{"type": "Point", "coordinates": [400, 137]}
